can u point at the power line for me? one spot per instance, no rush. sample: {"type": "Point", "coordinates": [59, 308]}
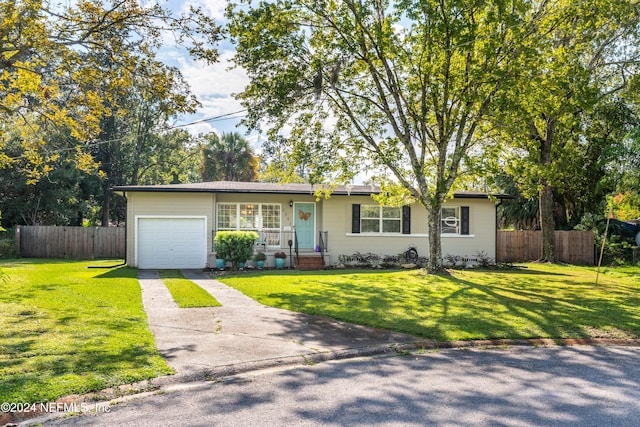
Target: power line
{"type": "Point", "coordinates": [210, 119]}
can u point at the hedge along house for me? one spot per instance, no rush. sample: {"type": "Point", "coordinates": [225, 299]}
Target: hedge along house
{"type": "Point", "coordinates": [174, 226]}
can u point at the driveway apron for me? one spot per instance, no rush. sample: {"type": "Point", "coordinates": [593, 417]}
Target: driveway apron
{"type": "Point", "coordinates": [242, 331]}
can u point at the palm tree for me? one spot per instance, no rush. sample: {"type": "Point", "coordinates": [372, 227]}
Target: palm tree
{"type": "Point", "coordinates": [228, 158]}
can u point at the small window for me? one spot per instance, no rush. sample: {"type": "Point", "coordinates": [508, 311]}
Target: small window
{"type": "Point", "coordinates": [379, 219]}
{"type": "Point", "coordinates": [227, 216]}
{"type": "Point", "coordinates": [450, 220]}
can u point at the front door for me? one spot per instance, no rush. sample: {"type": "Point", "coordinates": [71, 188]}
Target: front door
{"type": "Point", "coordinates": [305, 223]}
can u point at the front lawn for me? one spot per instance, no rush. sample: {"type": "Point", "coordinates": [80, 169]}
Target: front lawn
{"type": "Point", "coordinates": [65, 328]}
{"type": "Point", "coordinates": [541, 301]}
{"type": "Point", "coordinates": [186, 293]}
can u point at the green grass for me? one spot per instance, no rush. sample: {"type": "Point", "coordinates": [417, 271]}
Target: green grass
{"type": "Point", "coordinates": [186, 293]}
{"type": "Point", "coordinates": [540, 301]}
{"type": "Point", "coordinates": [65, 329]}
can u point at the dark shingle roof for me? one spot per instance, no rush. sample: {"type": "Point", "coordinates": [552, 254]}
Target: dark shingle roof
{"type": "Point", "coordinates": [270, 188]}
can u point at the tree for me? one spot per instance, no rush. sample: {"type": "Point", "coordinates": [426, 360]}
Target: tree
{"type": "Point", "coordinates": [133, 146]}
{"type": "Point", "coordinates": [276, 165]}
{"type": "Point", "coordinates": [228, 158]}
{"type": "Point", "coordinates": [52, 64]}
{"type": "Point", "coordinates": [61, 197]}
{"type": "Point", "coordinates": [590, 170]}
{"type": "Point", "coordinates": [402, 88]}
{"type": "Point", "coordinates": [586, 53]}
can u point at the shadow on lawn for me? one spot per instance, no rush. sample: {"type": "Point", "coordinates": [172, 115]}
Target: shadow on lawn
{"type": "Point", "coordinates": [87, 355]}
{"type": "Point", "coordinates": [48, 376]}
{"type": "Point", "coordinates": [120, 272]}
{"type": "Point", "coordinates": [85, 338]}
{"type": "Point", "coordinates": [512, 306]}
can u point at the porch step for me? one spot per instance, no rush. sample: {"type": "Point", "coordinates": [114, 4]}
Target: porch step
{"type": "Point", "coordinates": [309, 262]}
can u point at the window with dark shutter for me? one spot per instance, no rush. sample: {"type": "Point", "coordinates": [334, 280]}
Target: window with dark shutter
{"type": "Point", "coordinates": [355, 218]}
{"type": "Point", "coordinates": [464, 220]}
{"type": "Point", "coordinates": [406, 220]}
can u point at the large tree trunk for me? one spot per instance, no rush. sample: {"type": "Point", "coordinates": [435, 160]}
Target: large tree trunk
{"type": "Point", "coordinates": [547, 223]}
{"type": "Point", "coordinates": [434, 265]}
{"type": "Point", "coordinates": [106, 208]}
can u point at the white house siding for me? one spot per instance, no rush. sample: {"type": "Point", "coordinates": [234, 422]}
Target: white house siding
{"type": "Point", "coordinates": [162, 204]}
{"type": "Point", "coordinates": [337, 219]}
{"type": "Point", "coordinates": [482, 230]}
{"type": "Point", "coordinates": [332, 215]}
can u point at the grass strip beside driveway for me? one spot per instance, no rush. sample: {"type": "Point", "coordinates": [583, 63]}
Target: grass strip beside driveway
{"type": "Point", "coordinates": [186, 293]}
{"type": "Point", "coordinates": [66, 329]}
{"type": "Point", "coordinates": [541, 301]}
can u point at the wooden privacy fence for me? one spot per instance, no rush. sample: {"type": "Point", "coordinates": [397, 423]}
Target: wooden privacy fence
{"type": "Point", "coordinates": [70, 242]}
{"type": "Point", "coordinates": [572, 247]}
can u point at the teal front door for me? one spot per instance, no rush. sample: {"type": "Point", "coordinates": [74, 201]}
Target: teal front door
{"type": "Point", "coordinates": [305, 223]}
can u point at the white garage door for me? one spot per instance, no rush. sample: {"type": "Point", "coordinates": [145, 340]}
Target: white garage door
{"type": "Point", "coordinates": [171, 243]}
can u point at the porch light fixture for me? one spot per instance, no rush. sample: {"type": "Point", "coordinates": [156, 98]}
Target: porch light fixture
{"type": "Point", "coordinates": [290, 203]}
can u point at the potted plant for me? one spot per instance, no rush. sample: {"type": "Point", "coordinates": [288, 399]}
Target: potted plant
{"type": "Point", "coordinates": [260, 258]}
{"type": "Point", "coordinates": [279, 258]}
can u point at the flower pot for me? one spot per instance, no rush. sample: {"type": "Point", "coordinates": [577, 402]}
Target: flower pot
{"type": "Point", "coordinates": [260, 264]}
{"type": "Point", "coordinates": [279, 263]}
{"type": "Point", "coordinates": [220, 263]}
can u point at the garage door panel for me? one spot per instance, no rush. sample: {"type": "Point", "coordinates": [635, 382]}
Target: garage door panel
{"type": "Point", "coordinates": [171, 243]}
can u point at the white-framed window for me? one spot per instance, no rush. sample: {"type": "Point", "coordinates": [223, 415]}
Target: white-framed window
{"type": "Point", "coordinates": [450, 220]}
{"type": "Point", "coordinates": [248, 216]}
{"type": "Point", "coordinates": [380, 219]}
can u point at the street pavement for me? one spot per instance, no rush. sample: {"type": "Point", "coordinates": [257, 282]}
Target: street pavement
{"type": "Point", "coordinates": [517, 386]}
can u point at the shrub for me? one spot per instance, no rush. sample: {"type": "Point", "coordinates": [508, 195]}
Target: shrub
{"type": "Point", "coordinates": [7, 244]}
{"type": "Point", "coordinates": [235, 246]}
{"type": "Point", "coordinates": [260, 256]}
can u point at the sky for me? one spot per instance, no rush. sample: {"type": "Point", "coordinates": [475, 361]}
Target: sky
{"type": "Point", "coordinates": [213, 85]}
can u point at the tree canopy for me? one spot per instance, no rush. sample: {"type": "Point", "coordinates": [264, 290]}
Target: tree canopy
{"type": "Point", "coordinates": [402, 88]}
{"type": "Point", "coordinates": [228, 157]}
{"type": "Point", "coordinates": [85, 104]}
{"type": "Point", "coordinates": [61, 65]}
{"type": "Point", "coordinates": [560, 120]}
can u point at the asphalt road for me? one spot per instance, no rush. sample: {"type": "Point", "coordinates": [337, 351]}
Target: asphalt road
{"type": "Point", "coordinates": [520, 386]}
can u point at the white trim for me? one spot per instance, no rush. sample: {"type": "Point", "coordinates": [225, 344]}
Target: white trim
{"type": "Point", "coordinates": [385, 235]}
{"type": "Point", "coordinates": [259, 213]}
{"type": "Point", "coordinates": [381, 218]}
{"type": "Point", "coordinates": [454, 236]}
{"type": "Point", "coordinates": [137, 219]}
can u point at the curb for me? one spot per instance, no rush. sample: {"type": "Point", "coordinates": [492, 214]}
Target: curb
{"type": "Point", "coordinates": [94, 402]}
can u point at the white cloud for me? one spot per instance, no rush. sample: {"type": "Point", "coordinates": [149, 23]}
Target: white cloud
{"type": "Point", "coordinates": [213, 85]}
{"type": "Point", "coordinates": [215, 8]}
{"type": "Point", "coordinates": [212, 8]}
{"type": "Point", "coordinates": [216, 80]}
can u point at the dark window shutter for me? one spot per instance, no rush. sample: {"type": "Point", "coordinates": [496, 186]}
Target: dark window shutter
{"type": "Point", "coordinates": [355, 218]}
{"type": "Point", "coordinates": [464, 220]}
{"type": "Point", "coordinates": [406, 220]}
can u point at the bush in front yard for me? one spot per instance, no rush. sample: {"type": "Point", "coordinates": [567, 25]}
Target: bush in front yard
{"type": "Point", "coordinates": [7, 244]}
{"type": "Point", "coordinates": [235, 246]}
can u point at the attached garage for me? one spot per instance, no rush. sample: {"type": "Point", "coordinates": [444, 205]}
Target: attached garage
{"type": "Point", "coordinates": [171, 242]}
